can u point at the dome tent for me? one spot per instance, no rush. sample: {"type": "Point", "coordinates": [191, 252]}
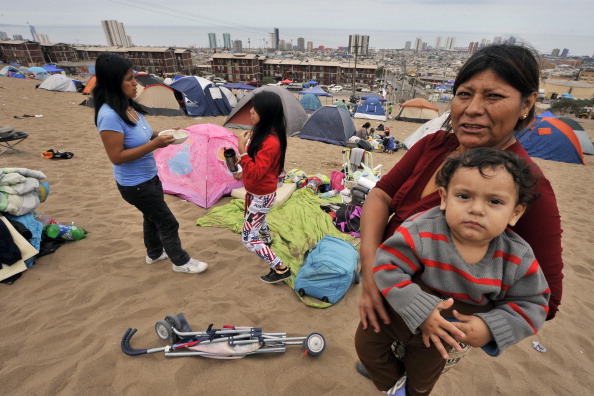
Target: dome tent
{"type": "Point", "coordinates": [551, 139]}
{"type": "Point", "coordinates": [329, 124]}
{"type": "Point", "coordinates": [417, 110]}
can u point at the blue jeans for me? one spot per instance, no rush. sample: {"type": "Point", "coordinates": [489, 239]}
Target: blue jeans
{"type": "Point", "coordinates": [160, 227]}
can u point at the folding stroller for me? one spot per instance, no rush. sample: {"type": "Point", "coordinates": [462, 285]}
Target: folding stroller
{"type": "Point", "coordinates": [230, 342]}
{"type": "Point", "coordinates": [353, 161]}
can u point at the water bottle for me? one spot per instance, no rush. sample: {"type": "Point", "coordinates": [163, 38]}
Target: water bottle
{"type": "Point", "coordinates": [229, 155]}
{"type": "Point", "coordinates": [329, 194]}
{"type": "Point", "coordinates": [68, 233]}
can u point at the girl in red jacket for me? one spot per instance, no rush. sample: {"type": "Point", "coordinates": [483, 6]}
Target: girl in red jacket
{"type": "Point", "coordinates": [262, 156]}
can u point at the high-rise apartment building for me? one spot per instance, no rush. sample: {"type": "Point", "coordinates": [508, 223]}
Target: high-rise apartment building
{"type": "Point", "coordinates": [33, 31]}
{"type": "Point", "coordinates": [438, 42]}
{"type": "Point", "coordinates": [407, 45]}
{"type": "Point", "coordinates": [564, 53]}
{"type": "Point", "coordinates": [237, 46]}
{"type": "Point", "coordinates": [300, 44]}
{"type": "Point", "coordinates": [310, 46]}
{"type": "Point", "coordinates": [555, 52]}
{"type": "Point", "coordinates": [17, 37]}
{"type": "Point", "coordinates": [497, 40]}
{"type": "Point", "coordinates": [42, 38]}
{"type": "Point", "coordinates": [418, 44]}
{"type": "Point", "coordinates": [358, 44]}
{"type": "Point", "coordinates": [3, 36]}
{"type": "Point", "coordinates": [212, 40]}
{"type": "Point", "coordinates": [226, 41]}
{"type": "Point", "coordinates": [115, 34]}
{"type": "Point", "coordinates": [450, 43]}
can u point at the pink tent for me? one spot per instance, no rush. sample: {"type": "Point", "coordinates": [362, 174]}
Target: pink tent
{"type": "Point", "coordinates": [195, 170]}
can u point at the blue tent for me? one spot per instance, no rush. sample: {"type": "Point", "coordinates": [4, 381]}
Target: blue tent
{"type": "Point", "coordinates": [312, 82]}
{"type": "Point", "coordinates": [310, 103]}
{"type": "Point", "coordinates": [546, 114]}
{"type": "Point", "coordinates": [318, 91]}
{"type": "Point", "coordinates": [551, 139]}
{"type": "Point", "coordinates": [330, 124]}
{"type": "Point", "coordinates": [52, 68]}
{"type": "Point", "coordinates": [373, 96]}
{"type": "Point", "coordinates": [371, 109]}
{"type": "Point", "coordinates": [202, 97]}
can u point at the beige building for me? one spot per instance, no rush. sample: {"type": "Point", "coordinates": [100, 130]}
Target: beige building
{"type": "Point", "coordinates": [578, 89]}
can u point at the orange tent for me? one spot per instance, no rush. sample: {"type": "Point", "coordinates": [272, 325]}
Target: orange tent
{"type": "Point", "coordinates": [90, 85]}
{"type": "Point", "coordinates": [417, 110]}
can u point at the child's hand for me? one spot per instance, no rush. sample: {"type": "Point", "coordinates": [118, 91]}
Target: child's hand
{"type": "Point", "coordinates": [476, 331]}
{"type": "Point", "coordinates": [238, 175]}
{"type": "Point", "coordinates": [435, 328]}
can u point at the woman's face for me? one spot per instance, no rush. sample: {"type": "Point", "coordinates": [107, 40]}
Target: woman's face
{"type": "Point", "coordinates": [129, 85]}
{"type": "Point", "coordinates": [254, 116]}
{"type": "Point", "coordinates": [485, 111]}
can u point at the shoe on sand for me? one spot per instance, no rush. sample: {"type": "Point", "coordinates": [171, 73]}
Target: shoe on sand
{"type": "Point", "coordinates": [275, 276]}
{"type": "Point", "coordinates": [191, 267]}
{"type": "Point", "coordinates": [162, 257]}
{"type": "Point", "coordinates": [361, 369]}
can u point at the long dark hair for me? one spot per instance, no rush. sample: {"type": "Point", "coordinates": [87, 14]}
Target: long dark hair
{"type": "Point", "coordinates": [110, 70]}
{"type": "Point", "coordinates": [269, 107]}
{"type": "Point", "coordinates": [517, 65]}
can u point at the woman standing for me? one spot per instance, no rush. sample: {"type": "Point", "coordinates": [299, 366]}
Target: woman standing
{"type": "Point", "coordinates": [262, 153]}
{"type": "Point", "coordinates": [129, 142]}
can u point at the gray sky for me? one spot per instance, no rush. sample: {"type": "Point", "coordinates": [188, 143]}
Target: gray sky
{"type": "Point", "coordinates": [517, 17]}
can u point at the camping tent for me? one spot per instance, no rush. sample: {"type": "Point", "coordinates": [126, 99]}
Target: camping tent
{"type": "Point", "coordinates": [295, 115]}
{"type": "Point", "coordinates": [52, 68]}
{"type": "Point", "coordinates": [159, 99]}
{"type": "Point", "coordinates": [90, 85]}
{"type": "Point", "coordinates": [587, 146]}
{"type": "Point", "coordinates": [317, 90]}
{"type": "Point", "coordinates": [196, 170]}
{"type": "Point", "coordinates": [39, 72]}
{"type": "Point", "coordinates": [202, 97]}
{"type": "Point", "coordinates": [551, 139]}
{"type": "Point", "coordinates": [58, 82]}
{"type": "Point", "coordinates": [330, 124]}
{"type": "Point", "coordinates": [371, 109]}
{"type": "Point", "coordinates": [341, 104]}
{"type": "Point", "coordinates": [417, 110]}
{"type": "Point", "coordinates": [427, 128]}
{"type": "Point", "coordinates": [310, 103]}
{"type": "Point", "coordinates": [373, 96]}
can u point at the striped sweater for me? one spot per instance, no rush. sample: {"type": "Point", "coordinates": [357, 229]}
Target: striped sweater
{"type": "Point", "coordinates": [508, 276]}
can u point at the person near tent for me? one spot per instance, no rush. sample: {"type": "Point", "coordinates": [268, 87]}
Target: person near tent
{"type": "Point", "coordinates": [129, 142]}
{"type": "Point", "coordinates": [388, 142]}
{"type": "Point", "coordinates": [363, 132]}
{"type": "Point", "coordinates": [495, 93]}
{"type": "Point", "coordinates": [485, 186]}
{"type": "Point", "coordinates": [262, 158]}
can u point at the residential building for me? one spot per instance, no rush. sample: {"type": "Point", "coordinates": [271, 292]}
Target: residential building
{"type": "Point", "coordinates": [237, 46]}
{"type": "Point", "coordinates": [300, 44]}
{"type": "Point", "coordinates": [450, 43]}
{"type": "Point", "coordinates": [33, 32]}
{"type": "Point", "coordinates": [58, 52]}
{"type": "Point", "coordinates": [3, 36]}
{"type": "Point", "coordinates": [358, 44]}
{"type": "Point", "coordinates": [18, 37]}
{"type": "Point", "coordinates": [407, 45]}
{"type": "Point", "coordinates": [226, 41]}
{"type": "Point", "coordinates": [115, 34]}
{"type": "Point", "coordinates": [236, 67]}
{"type": "Point", "coordinates": [309, 46]}
{"type": "Point", "coordinates": [25, 52]}
{"type": "Point", "coordinates": [555, 52]}
{"type": "Point", "coordinates": [276, 39]}
{"type": "Point", "coordinates": [438, 43]}
{"type": "Point", "coordinates": [564, 53]}
{"type": "Point", "coordinates": [418, 44]}
{"type": "Point", "coordinates": [212, 40]}
{"type": "Point", "coordinates": [42, 38]}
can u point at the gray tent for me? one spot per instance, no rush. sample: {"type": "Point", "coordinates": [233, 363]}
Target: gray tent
{"type": "Point", "coordinates": [295, 115]}
{"type": "Point", "coordinates": [587, 146]}
{"type": "Point", "coordinates": [58, 82]}
{"type": "Point", "coordinates": [330, 124]}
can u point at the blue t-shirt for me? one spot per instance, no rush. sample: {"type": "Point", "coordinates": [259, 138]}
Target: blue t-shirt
{"type": "Point", "coordinates": [137, 171]}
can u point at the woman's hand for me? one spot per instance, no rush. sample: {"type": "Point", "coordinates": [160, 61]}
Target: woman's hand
{"type": "Point", "coordinates": [242, 140]}
{"type": "Point", "coordinates": [435, 328]}
{"type": "Point", "coordinates": [162, 140]}
{"type": "Point", "coordinates": [476, 332]}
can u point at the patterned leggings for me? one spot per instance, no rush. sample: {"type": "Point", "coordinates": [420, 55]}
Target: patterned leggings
{"type": "Point", "coordinates": [255, 211]}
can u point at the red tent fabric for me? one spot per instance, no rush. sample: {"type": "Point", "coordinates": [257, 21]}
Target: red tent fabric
{"type": "Point", "coordinates": [286, 81]}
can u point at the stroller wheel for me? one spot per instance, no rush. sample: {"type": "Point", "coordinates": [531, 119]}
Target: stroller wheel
{"type": "Point", "coordinates": [174, 321]}
{"type": "Point", "coordinates": [314, 344]}
{"type": "Point", "coordinates": [164, 330]}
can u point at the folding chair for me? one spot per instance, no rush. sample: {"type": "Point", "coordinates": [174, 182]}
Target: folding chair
{"type": "Point", "coordinates": [353, 159]}
{"type": "Point", "coordinates": [12, 140]}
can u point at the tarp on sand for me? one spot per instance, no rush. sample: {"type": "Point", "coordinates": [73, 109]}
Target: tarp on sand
{"type": "Point", "coordinates": [296, 226]}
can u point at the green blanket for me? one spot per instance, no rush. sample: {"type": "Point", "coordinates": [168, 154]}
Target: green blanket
{"type": "Point", "coordinates": [297, 225]}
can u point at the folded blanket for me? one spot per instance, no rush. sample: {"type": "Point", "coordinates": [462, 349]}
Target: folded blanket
{"type": "Point", "coordinates": [356, 158]}
{"type": "Point", "coordinates": [296, 226]}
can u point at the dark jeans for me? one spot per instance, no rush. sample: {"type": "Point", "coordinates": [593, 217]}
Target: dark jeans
{"type": "Point", "coordinates": [423, 366]}
{"type": "Point", "coordinates": [160, 226]}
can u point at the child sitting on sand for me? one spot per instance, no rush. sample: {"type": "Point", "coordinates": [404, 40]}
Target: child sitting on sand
{"type": "Point", "coordinates": [458, 256]}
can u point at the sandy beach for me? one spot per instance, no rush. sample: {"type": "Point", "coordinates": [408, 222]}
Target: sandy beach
{"type": "Point", "coordinates": [65, 317]}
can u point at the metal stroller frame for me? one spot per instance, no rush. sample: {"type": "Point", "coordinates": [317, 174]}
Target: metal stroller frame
{"type": "Point", "coordinates": [348, 171]}
{"type": "Point", "coordinates": [231, 342]}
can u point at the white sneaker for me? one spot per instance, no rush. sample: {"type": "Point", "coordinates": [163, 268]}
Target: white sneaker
{"type": "Point", "coordinates": [162, 257]}
{"type": "Point", "coordinates": [399, 388]}
{"type": "Point", "coordinates": [191, 267]}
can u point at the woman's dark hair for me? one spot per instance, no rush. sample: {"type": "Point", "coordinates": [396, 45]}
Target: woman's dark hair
{"type": "Point", "coordinates": [489, 158]}
{"type": "Point", "coordinates": [366, 125]}
{"type": "Point", "coordinates": [110, 70]}
{"type": "Point", "coordinates": [517, 65]}
{"type": "Point", "coordinates": [269, 107]}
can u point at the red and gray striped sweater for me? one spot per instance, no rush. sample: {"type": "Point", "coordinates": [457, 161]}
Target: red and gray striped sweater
{"type": "Point", "coordinates": [508, 276]}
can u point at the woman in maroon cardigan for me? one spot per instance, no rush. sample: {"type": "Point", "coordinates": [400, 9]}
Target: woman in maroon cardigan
{"type": "Point", "coordinates": [495, 92]}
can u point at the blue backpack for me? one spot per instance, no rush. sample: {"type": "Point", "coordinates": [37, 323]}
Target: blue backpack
{"type": "Point", "coordinates": [328, 270]}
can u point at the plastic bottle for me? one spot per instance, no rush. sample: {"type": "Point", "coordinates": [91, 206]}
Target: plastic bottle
{"type": "Point", "coordinates": [68, 233]}
{"type": "Point", "coordinates": [329, 194]}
